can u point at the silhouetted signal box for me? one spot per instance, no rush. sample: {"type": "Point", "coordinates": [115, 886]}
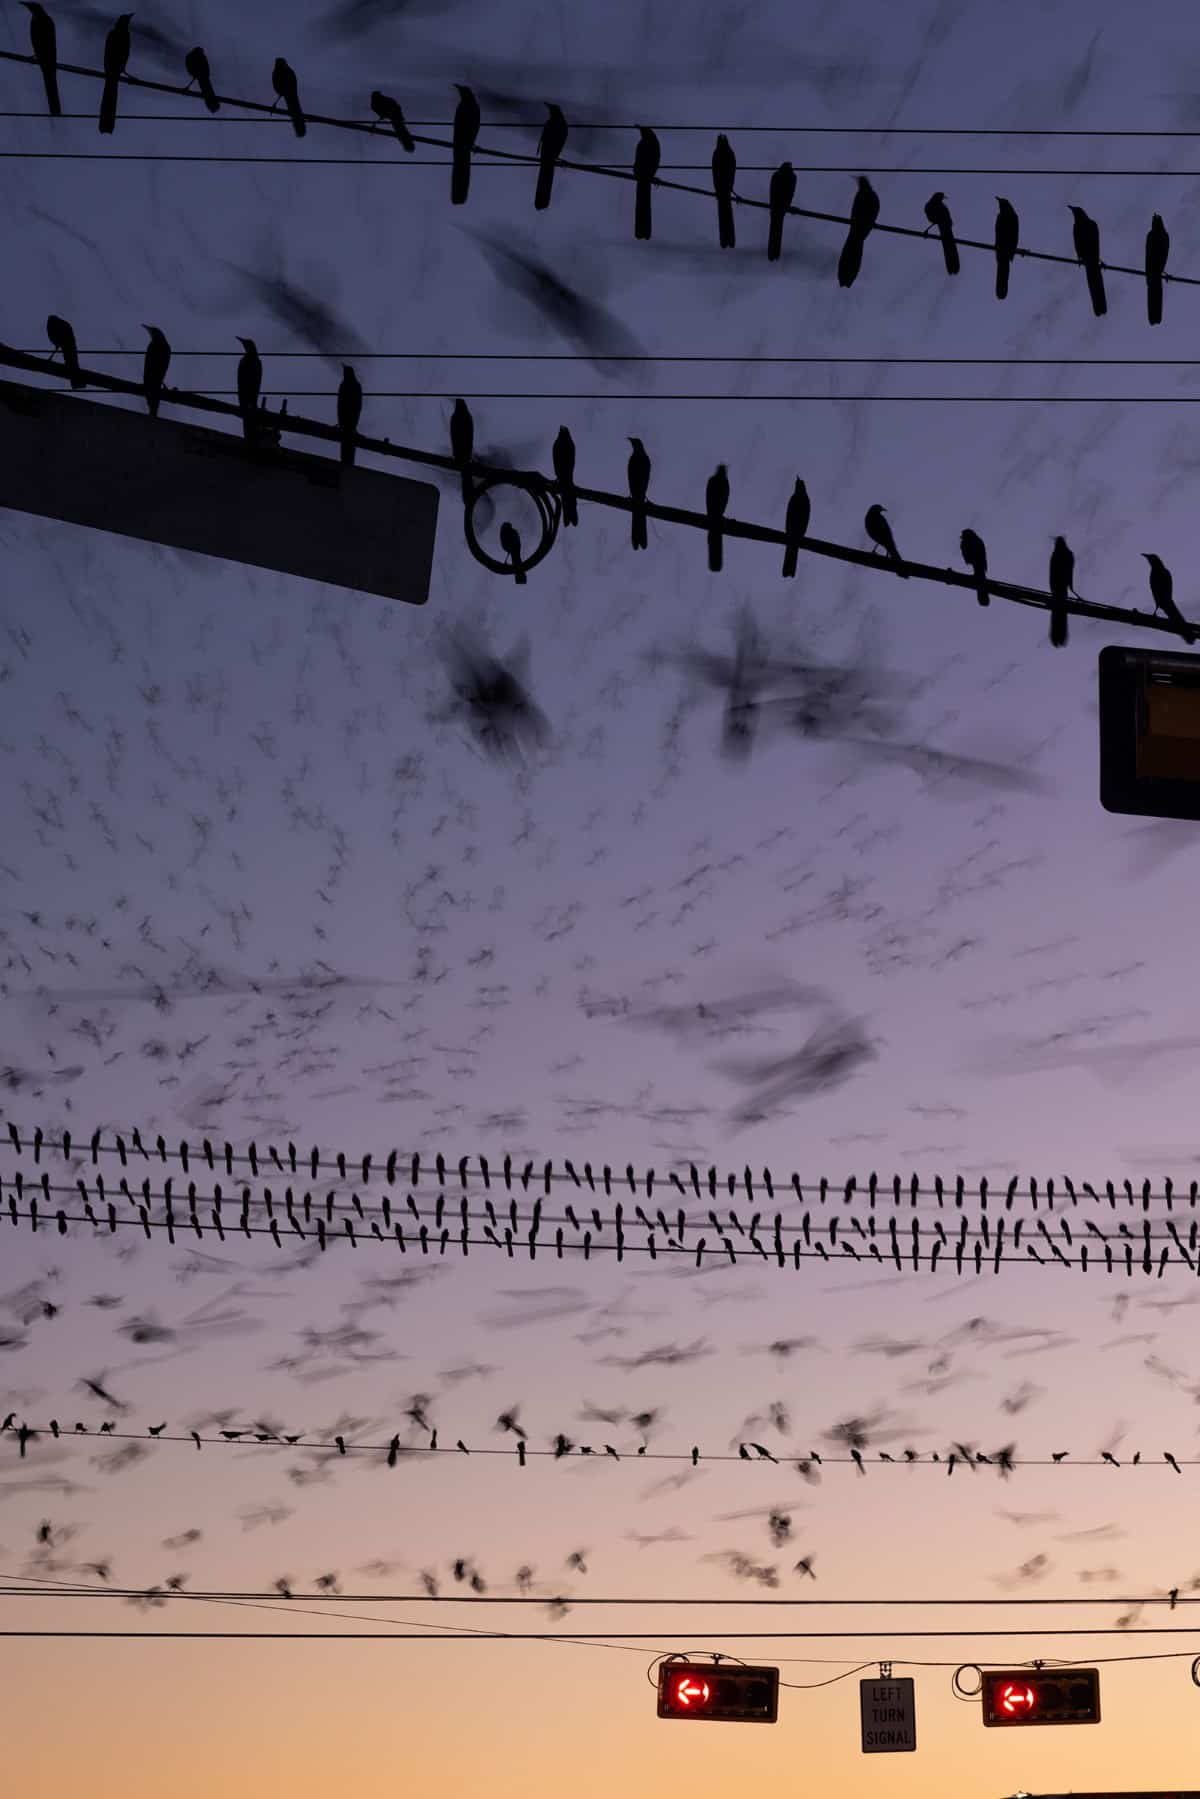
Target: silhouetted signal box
{"type": "Point", "coordinates": [1150, 732]}
{"type": "Point", "coordinates": [1058, 1696]}
{"type": "Point", "coordinates": [724, 1695]}
{"type": "Point", "coordinates": [164, 481]}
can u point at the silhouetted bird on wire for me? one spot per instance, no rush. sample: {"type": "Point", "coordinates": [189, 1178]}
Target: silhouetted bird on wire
{"type": "Point", "coordinates": [1062, 585]}
{"type": "Point", "coordinates": [974, 554]}
{"type": "Point", "coordinates": [349, 411]}
{"type": "Point", "coordinates": [462, 444]}
{"type": "Point", "coordinates": [880, 533]}
{"type": "Point", "coordinates": [1086, 234]}
{"type": "Point", "coordinates": [116, 55]}
{"type": "Point", "coordinates": [646, 159]}
{"type": "Point", "coordinates": [938, 214]}
{"type": "Point", "coordinates": [63, 338]}
{"type": "Point", "coordinates": [780, 195]}
{"type": "Point", "coordinates": [249, 382]}
{"type": "Point", "coordinates": [551, 145]}
{"type": "Point", "coordinates": [467, 120]}
{"type": "Point", "coordinates": [391, 112]}
{"type": "Point", "coordinates": [563, 457]}
{"type": "Point", "coordinates": [196, 64]}
{"type": "Point", "coordinates": [795, 524]}
{"type": "Point", "coordinates": [863, 214]}
{"type": "Point", "coordinates": [1158, 248]}
{"type": "Point", "coordinates": [510, 543]}
{"type": "Point", "coordinates": [43, 43]}
{"type": "Point", "coordinates": [1008, 238]}
{"type": "Point", "coordinates": [716, 500]}
{"type": "Point", "coordinates": [287, 89]}
{"type": "Point", "coordinates": [1162, 592]}
{"type": "Point", "coordinates": [639, 486]}
{"type": "Point", "coordinates": [155, 364]}
{"type": "Point", "coordinates": [724, 173]}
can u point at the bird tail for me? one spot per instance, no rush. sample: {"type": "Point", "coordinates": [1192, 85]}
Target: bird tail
{"type": "Point", "coordinates": [460, 177]}
{"type": "Point", "coordinates": [1058, 628]}
{"type": "Point", "coordinates": [775, 238]}
{"type": "Point", "coordinates": [1003, 265]}
{"type": "Point", "coordinates": [850, 260]}
{"type": "Point", "coordinates": [950, 252]}
{"type": "Point", "coordinates": [209, 96]}
{"type": "Point", "coordinates": [77, 380]}
{"type": "Point", "coordinates": [545, 181]}
{"type": "Point", "coordinates": [519, 575]}
{"type": "Point", "coordinates": [725, 224]}
{"type": "Point", "coordinates": [297, 117]}
{"type": "Point", "coordinates": [152, 399]}
{"type": "Point", "coordinates": [715, 556]}
{"type": "Point", "coordinates": [898, 565]}
{"type": "Point", "coordinates": [1095, 281]}
{"type": "Point", "coordinates": [108, 105]}
{"type": "Point", "coordinates": [789, 561]}
{"type": "Point", "coordinates": [641, 212]}
{"type": "Point", "coordinates": [982, 594]}
{"type": "Point", "coordinates": [1154, 299]}
{"type": "Point", "coordinates": [637, 529]}
{"type": "Point", "coordinates": [466, 486]}
{"type": "Point", "coordinates": [50, 78]}
{"type": "Point", "coordinates": [347, 452]}
{"type": "Point", "coordinates": [570, 511]}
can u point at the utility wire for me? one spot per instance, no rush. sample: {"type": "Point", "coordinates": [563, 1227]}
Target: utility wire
{"type": "Point", "coordinates": [647, 1636]}
{"type": "Point", "coordinates": [67, 1590]}
{"type": "Point", "coordinates": [741, 399]}
{"type": "Point", "coordinates": [358, 355]}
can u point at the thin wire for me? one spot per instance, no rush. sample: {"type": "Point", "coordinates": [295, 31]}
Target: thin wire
{"type": "Point", "coordinates": [359, 355]}
{"type": "Point", "coordinates": [81, 1590]}
{"type": "Point", "coordinates": [522, 1636]}
{"type": "Point", "coordinates": [792, 399]}
{"type": "Point", "coordinates": [534, 124]}
{"type": "Point", "coordinates": [508, 160]}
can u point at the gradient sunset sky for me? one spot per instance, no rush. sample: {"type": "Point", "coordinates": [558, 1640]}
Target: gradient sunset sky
{"type": "Point", "coordinates": [214, 776]}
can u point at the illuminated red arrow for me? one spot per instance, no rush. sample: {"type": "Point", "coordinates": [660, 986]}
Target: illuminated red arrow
{"type": "Point", "coordinates": [687, 1690]}
{"type": "Point", "coordinates": [1014, 1699]}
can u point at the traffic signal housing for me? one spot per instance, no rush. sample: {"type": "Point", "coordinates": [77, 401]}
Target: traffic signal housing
{"type": "Point", "coordinates": [729, 1695]}
{"type": "Point", "coordinates": [1062, 1696]}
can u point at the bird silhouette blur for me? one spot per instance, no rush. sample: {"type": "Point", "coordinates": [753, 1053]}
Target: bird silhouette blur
{"type": "Point", "coordinates": [1008, 238]}
{"type": "Point", "coordinates": [301, 312]}
{"type": "Point", "coordinates": [155, 364]}
{"type": "Point", "coordinates": [1062, 578]}
{"type": "Point", "coordinates": [462, 443]}
{"type": "Point", "coordinates": [880, 533]}
{"type": "Point", "coordinates": [638, 473]}
{"type": "Point", "coordinates": [563, 458]}
{"type": "Point", "coordinates": [551, 144]}
{"type": "Point", "coordinates": [974, 554]}
{"type": "Point", "coordinates": [43, 41]}
{"type": "Point", "coordinates": [391, 112]}
{"type": "Point", "coordinates": [116, 55]}
{"type": "Point", "coordinates": [584, 323]}
{"type": "Point", "coordinates": [716, 500]}
{"type": "Point", "coordinates": [63, 338]}
{"type": "Point", "coordinates": [795, 525]}
{"type": "Point", "coordinates": [1086, 234]}
{"type": "Point", "coordinates": [863, 214]}
{"type": "Point", "coordinates": [287, 89]}
{"type": "Point", "coordinates": [249, 382]}
{"type": "Point", "coordinates": [938, 214]}
{"type": "Point", "coordinates": [780, 195]}
{"type": "Point", "coordinates": [491, 697]}
{"type": "Point", "coordinates": [724, 173]}
{"type": "Point", "coordinates": [646, 159]}
{"type": "Point", "coordinates": [196, 64]}
{"type": "Point", "coordinates": [467, 120]}
{"type": "Point", "coordinates": [349, 411]}
{"type": "Point", "coordinates": [1162, 591]}
{"type": "Point", "coordinates": [510, 543]}
{"type": "Point", "coordinates": [1158, 248]}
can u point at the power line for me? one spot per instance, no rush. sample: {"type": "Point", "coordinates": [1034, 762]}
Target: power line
{"type": "Point", "coordinates": [641, 1636]}
{"type": "Point", "coordinates": [740, 399]}
{"type": "Point", "coordinates": [539, 486]}
{"type": "Point", "coordinates": [359, 355]}
{"type": "Point", "coordinates": [68, 1590]}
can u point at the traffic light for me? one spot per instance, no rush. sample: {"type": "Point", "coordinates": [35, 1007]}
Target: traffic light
{"type": "Point", "coordinates": [1063, 1696]}
{"type": "Point", "coordinates": [729, 1695]}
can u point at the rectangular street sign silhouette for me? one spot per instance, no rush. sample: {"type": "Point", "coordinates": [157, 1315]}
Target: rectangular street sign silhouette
{"type": "Point", "coordinates": [1149, 732]}
{"type": "Point", "coordinates": [168, 482]}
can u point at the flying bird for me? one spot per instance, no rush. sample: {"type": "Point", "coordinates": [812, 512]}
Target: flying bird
{"type": "Point", "coordinates": [1008, 237]}
{"type": "Point", "coordinates": [795, 525]}
{"type": "Point", "coordinates": [646, 159]}
{"type": "Point", "coordinates": [155, 364]}
{"type": "Point", "coordinates": [716, 502]}
{"type": "Point", "coordinates": [585, 324]}
{"type": "Point", "coordinates": [196, 64]}
{"type": "Point", "coordinates": [938, 214]}
{"type": "Point", "coordinates": [467, 120]}
{"type": "Point", "coordinates": [638, 474]}
{"type": "Point", "coordinates": [974, 553]}
{"type": "Point", "coordinates": [780, 195]}
{"type": "Point", "coordinates": [43, 42]}
{"type": "Point", "coordinates": [863, 213]}
{"type": "Point", "coordinates": [349, 411]}
{"type": "Point", "coordinates": [1158, 248]}
{"type": "Point", "coordinates": [563, 458]}
{"type": "Point", "coordinates": [287, 89]}
{"type": "Point", "coordinates": [551, 144]}
{"type": "Point", "coordinates": [391, 112]}
{"type": "Point", "coordinates": [724, 173]}
{"type": "Point", "coordinates": [1086, 234]}
{"type": "Point", "coordinates": [1062, 579]}
{"type": "Point", "coordinates": [63, 338]}
{"type": "Point", "coordinates": [1162, 591]}
{"type": "Point", "coordinates": [116, 55]}
{"type": "Point", "coordinates": [880, 533]}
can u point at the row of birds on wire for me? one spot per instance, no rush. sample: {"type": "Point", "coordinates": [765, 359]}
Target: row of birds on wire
{"type": "Point", "coordinates": [647, 160]}
{"type": "Point", "coordinates": [972, 548]}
